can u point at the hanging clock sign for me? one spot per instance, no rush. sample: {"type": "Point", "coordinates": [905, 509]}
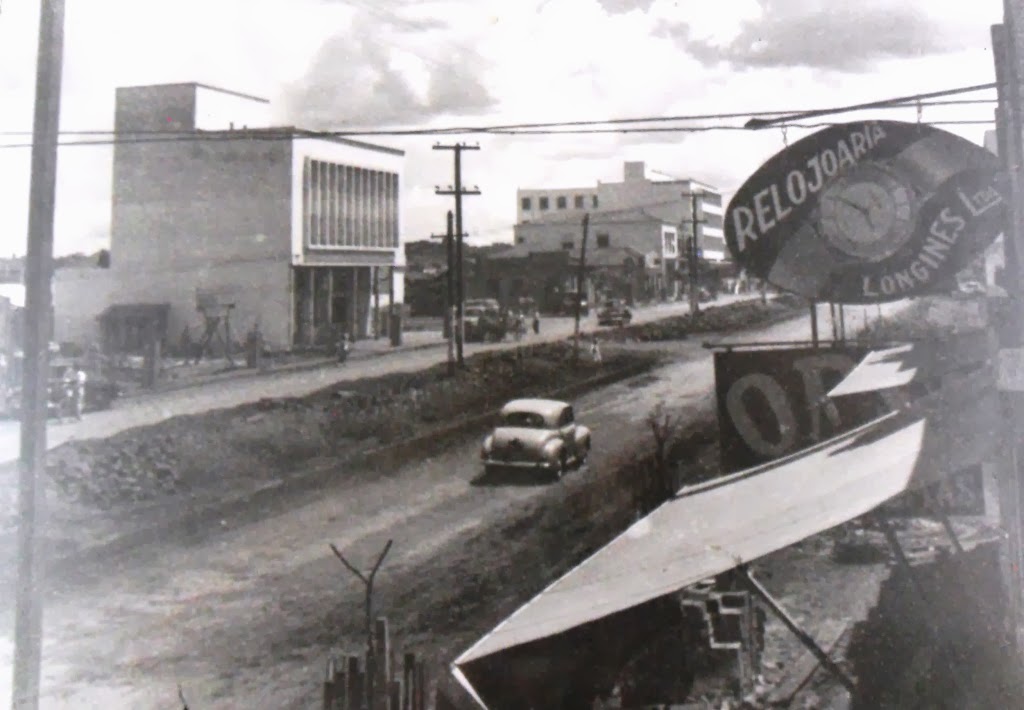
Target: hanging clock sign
{"type": "Point", "coordinates": [868, 212]}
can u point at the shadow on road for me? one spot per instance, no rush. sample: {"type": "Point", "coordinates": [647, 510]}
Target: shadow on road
{"type": "Point", "coordinates": [513, 477]}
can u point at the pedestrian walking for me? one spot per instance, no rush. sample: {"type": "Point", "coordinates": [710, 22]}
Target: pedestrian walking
{"type": "Point", "coordinates": [343, 348]}
{"type": "Point", "coordinates": [66, 406]}
{"type": "Point", "coordinates": [80, 381]}
{"type": "Point", "coordinates": [595, 350]}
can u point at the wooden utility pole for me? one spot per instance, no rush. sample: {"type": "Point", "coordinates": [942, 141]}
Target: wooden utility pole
{"type": "Point", "coordinates": [449, 301]}
{"type": "Point", "coordinates": [693, 250]}
{"type": "Point", "coordinates": [28, 622]}
{"type": "Point", "coordinates": [1008, 51]}
{"type": "Point", "coordinates": [581, 276]}
{"type": "Point", "coordinates": [458, 191]}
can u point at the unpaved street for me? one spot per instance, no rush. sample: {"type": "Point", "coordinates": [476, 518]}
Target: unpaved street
{"type": "Point", "coordinates": [245, 618]}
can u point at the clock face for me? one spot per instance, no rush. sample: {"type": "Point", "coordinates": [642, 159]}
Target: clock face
{"type": "Point", "coordinates": [867, 216]}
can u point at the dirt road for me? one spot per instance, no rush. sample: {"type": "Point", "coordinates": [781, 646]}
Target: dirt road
{"type": "Point", "coordinates": [245, 618]}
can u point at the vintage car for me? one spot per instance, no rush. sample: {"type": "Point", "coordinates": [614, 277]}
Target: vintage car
{"type": "Point", "coordinates": [536, 434]}
{"type": "Point", "coordinates": [614, 312]}
{"type": "Point", "coordinates": [484, 324]}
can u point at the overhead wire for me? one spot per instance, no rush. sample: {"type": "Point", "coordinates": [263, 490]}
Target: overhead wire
{"type": "Point", "coordinates": [267, 136]}
{"type": "Point", "coordinates": [885, 104]}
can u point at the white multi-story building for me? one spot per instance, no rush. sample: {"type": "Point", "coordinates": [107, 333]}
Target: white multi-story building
{"type": "Point", "coordinates": [642, 196]}
{"type": "Point", "coordinates": [212, 205]}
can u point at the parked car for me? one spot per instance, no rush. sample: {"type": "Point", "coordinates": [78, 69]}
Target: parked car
{"type": "Point", "coordinates": [568, 306]}
{"type": "Point", "coordinates": [614, 312]}
{"type": "Point", "coordinates": [536, 434]}
{"type": "Point", "coordinates": [972, 287]}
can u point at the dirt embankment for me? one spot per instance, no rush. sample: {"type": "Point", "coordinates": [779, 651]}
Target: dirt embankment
{"type": "Point", "coordinates": [252, 444]}
{"type": "Point", "coordinates": [710, 319]}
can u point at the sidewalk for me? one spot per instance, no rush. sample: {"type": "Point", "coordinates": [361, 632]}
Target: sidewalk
{"type": "Point", "coordinates": [361, 350]}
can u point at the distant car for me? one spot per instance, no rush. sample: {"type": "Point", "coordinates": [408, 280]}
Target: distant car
{"type": "Point", "coordinates": [614, 312]}
{"type": "Point", "coordinates": [972, 287]}
{"type": "Point", "coordinates": [483, 324]}
{"type": "Point", "coordinates": [536, 434]}
{"type": "Point", "coordinates": [568, 306]}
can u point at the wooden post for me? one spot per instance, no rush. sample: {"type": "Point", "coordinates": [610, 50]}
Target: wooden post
{"type": "Point", "coordinates": [355, 685]}
{"type": "Point", "coordinates": [376, 302]}
{"type": "Point", "coordinates": [580, 280]}
{"type": "Point", "coordinates": [330, 694]}
{"type": "Point", "coordinates": [421, 686]}
{"type": "Point", "coordinates": [805, 638]}
{"type": "Point", "coordinates": [408, 671]}
{"type": "Point", "coordinates": [814, 323]}
{"type": "Point", "coordinates": [382, 656]}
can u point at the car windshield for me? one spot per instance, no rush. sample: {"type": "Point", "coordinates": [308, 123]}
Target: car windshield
{"type": "Point", "coordinates": [531, 420]}
{"type": "Point", "coordinates": [474, 312]}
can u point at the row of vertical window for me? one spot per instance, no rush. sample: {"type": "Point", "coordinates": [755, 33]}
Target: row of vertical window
{"type": "Point", "coordinates": [344, 206]}
{"type": "Point", "coordinates": [561, 202]}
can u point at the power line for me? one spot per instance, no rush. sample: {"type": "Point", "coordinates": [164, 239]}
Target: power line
{"type": "Point", "coordinates": [905, 102]}
{"type": "Point", "coordinates": [313, 135]}
{"type": "Point", "coordinates": [884, 103]}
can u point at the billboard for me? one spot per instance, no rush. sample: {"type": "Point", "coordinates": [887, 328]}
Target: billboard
{"type": "Point", "coordinates": [868, 212]}
{"type": "Point", "coordinates": [774, 402]}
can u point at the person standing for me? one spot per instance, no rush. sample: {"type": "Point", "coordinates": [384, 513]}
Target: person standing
{"type": "Point", "coordinates": [536, 322]}
{"type": "Point", "coordinates": [80, 381]}
{"type": "Point", "coordinates": [595, 350]}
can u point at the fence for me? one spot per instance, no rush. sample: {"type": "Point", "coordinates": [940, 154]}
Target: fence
{"type": "Point", "coordinates": [373, 681]}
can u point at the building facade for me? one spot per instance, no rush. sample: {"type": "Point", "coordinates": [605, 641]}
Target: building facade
{"type": "Point", "coordinates": [640, 191]}
{"type": "Point", "coordinates": [650, 236]}
{"type": "Point", "coordinates": [273, 227]}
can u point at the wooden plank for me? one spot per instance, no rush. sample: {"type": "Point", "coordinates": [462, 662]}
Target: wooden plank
{"type": "Point", "coordinates": [383, 656]}
{"type": "Point", "coordinates": [395, 695]}
{"type": "Point", "coordinates": [355, 685]}
{"type": "Point", "coordinates": [421, 686]}
{"type": "Point", "coordinates": [408, 669]}
{"type": "Point", "coordinates": [827, 634]}
{"type": "Point", "coordinates": [329, 685]}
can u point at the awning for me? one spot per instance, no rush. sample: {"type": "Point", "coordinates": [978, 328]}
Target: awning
{"type": "Point", "coordinates": [709, 529]}
{"type": "Point", "coordinates": [901, 365]}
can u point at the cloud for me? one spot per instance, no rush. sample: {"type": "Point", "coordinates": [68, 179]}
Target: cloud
{"type": "Point", "coordinates": [617, 7]}
{"type": "Point", "coordinates": [366, 76]}
{"type": "Point", "coordinates": [838, 36]}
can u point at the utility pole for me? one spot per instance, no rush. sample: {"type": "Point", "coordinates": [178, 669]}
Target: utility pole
{"type": "Point", "coordinates": [28, 623]}
{"type": "Point", "coordinates": [692, 249]}
{"type": "Point", "coordinates": [581, 276]}
{"type": "Point", "coordinates": [449, 307]}
{"type": "Point", "coordinates": [458, 191]}
{"type": "Point", "coordinates": [1007, 41]}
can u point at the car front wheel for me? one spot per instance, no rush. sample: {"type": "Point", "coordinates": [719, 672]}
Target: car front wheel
{"type": "Point", "coordinates": [561, 467]}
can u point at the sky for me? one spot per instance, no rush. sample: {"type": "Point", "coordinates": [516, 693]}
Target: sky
{"type": "Point", "coordinates": [358, 64]}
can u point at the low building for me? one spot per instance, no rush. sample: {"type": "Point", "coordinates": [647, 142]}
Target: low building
{"type": "Point", "coordinates": [637, 231]}
{"type": "Point", "coordinates": [640, 191]}
{"type": "Point", "coordinates": [217, 214]}
{"type": "Point", "coordinates": [547, 277]}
